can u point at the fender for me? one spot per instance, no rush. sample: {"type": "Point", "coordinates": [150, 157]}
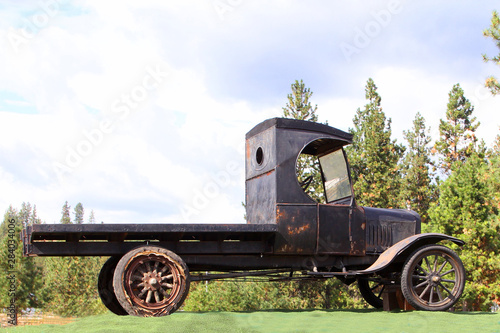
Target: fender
{"type": "Point", "coordinates": [412, 242]}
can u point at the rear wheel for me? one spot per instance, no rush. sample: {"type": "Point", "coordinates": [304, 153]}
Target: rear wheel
{"type": "Point", "coordinates": [433, 278]}
{"type": "Point", "coordinates": [371, 289]}
{"type": "Point", "coordinates": [105, 287]}
{"type": "Point", "coordinates": [151, 281]}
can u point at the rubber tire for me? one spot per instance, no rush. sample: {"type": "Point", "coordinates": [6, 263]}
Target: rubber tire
{"type": "Point", "coordinates": [105, 287]}
{"type": "Point", "coordinates": [407, 280]}
{"type": "Point", "coordinates": [134, 308]}
{"type": "Point", "coordinates": [368, 295]}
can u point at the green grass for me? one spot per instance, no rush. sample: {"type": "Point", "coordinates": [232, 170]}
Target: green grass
{"type": "Point", "coordinates": [283, 321]}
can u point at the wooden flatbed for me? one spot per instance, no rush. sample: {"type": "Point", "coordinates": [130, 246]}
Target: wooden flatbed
{"type": "Point", "coordinates": [117, 239]}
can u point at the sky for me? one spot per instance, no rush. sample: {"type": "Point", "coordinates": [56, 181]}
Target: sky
{"type": "Point", "coordinates": [139, 111]}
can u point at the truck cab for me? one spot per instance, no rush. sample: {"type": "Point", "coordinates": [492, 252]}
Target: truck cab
{"type": "Point", "coordinates": [298, 177]}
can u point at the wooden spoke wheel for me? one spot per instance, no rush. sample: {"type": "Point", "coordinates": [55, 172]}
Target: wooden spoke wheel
{"type": "Point", "coordinates": [433, 278]}
{"type": "Point", "coordinates": [105, 287]}
{"type": "Point", "coordinates": [151, 281]}
{"type": "Point", "coordinates": [371, 288]}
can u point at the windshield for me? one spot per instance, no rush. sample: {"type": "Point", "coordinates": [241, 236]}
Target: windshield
{"type": "Point", "coordinates": [335, 173]}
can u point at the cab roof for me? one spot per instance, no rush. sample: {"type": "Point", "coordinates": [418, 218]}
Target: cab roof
{"type": "Point", "coordinates": [300, 125]}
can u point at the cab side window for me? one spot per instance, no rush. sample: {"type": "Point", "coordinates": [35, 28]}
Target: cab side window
{"type": "Point", "coordinates": [336, 176]}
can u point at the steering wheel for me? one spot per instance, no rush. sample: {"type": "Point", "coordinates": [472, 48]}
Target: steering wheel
{"type": "Point", "coordinates": [306, 182]}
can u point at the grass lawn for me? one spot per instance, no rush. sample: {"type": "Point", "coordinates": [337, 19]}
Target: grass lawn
{"type": "Point", "coordinates": [283, 321]}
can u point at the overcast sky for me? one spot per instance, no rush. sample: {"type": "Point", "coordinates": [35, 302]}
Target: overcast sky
{"type": "Point", "coordinates": [139, 111]}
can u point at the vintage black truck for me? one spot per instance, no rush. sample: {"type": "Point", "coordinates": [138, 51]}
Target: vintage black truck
{"type": "Point", "coordinates": [288, 235]}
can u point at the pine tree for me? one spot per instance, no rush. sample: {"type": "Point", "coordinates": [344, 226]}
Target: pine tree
{"type": "Point", "coordinates": [493, 174]}
{"type": "Point", "coordinates": [34, 219]}
{"type": "Point", "coordinates": [457, 139]}
{"type": "Point", "coordinates": [26, 272]}
{"type": "Point", "coordinates": [299, 106]}
{"type": "Point", "coordinates": [417, 188]}
{"type": "Point", "coordinates": [493, 32]}
{"type": "Point", "coordinates": [92, 217]}
{"type": "Point", "coordinates": [496, 146]}
{"type": "Point", "coordinates": [25, 213]}
{"type": "Point", "coordinates": [466, 209]}
{"type": "Point", "coordinates": [4, 226]}
{"type": "Point", "coordinates": [65, 219]}
{"type": "Point", "coordinates": [72, 285]}
{"type": "Point", "coordinates": [374, 156]}
{"type": "Point", "coordinates": [78, 214]}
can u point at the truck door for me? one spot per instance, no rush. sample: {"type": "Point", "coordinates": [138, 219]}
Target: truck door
{"type": "Point", "coordinates": [340, 222]}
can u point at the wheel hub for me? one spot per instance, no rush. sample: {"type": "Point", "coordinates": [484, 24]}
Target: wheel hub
{"type": "Point", "coordinates": [150, 280]}
{"type": "Point", "coordinates": [434, 279]}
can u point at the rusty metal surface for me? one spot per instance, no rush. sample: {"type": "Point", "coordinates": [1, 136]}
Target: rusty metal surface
{"type": "Point", "coordinates": [44, 249]}
{"type": "Point", "coordinates": [273, 194]}
{"type": "Point", "coordinates": [261, 199]}
{"type": "Point", "coordinates": [271, 261]}
{"type": "Point", "coordinates": [151, 281]}
{"type": "Point", "coordinates": [75, 232]}
{"type": "Point", "coordinates": [260, 161]}
{"type": "Point", "coordinates": [297, 229]}
{"type": "Point", "coordinates": [272, 148]}
{"type": "Point", "coordinates": [231, 275]}
{"type": "Point", "coordinates": [341, 230]}
{"type": "Point", "coordinates": [406, 247]}
{"type": "Point", "coordinates": [388, 256]}
{"type": "Point", "coordinates": [299, 125]}
{"type": "Point", "coordinates": [117, 239]}
{"type": "Point", "coordinates": [386, 227]}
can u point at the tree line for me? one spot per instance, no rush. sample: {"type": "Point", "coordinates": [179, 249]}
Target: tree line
{"type": "Point", "coordinates": [453, 184]}
{"type": "Point", "coordinates": [63, 285]}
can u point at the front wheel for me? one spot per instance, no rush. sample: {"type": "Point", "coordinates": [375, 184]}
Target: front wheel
{"type": "Point", "coordinates": [151, 281]}
{"type": "Point", "coordinates": [371, 289]}
{"type": "Point", "coordinates": [433, 278]}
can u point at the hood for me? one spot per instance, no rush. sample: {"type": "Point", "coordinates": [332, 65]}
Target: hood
{"type": "Point", "coordinates": [386, 227]}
